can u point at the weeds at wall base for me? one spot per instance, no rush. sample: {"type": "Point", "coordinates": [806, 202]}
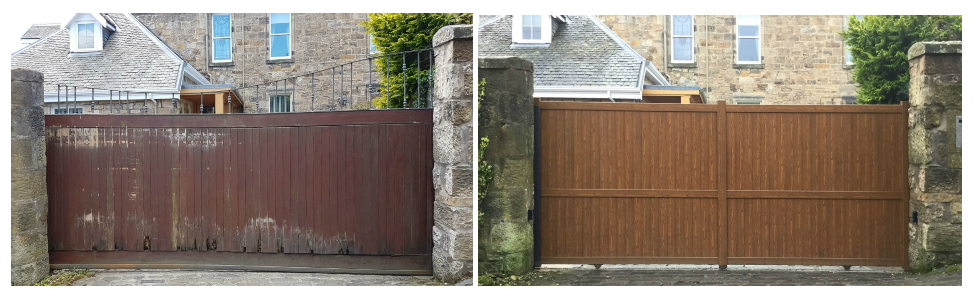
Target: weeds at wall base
{"type": "Point", "coordinates": [64, 277]}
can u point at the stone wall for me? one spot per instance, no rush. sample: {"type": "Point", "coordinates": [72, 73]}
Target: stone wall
{"type": "Point", "coordinates": [935, 160]}
{"type": "Point", "coordinates": [506, 116]}
{"type": "Point", "coordinates": [453, 171]}
{"type": "Point", "coordinates": [803, 58]}
{"type": "Point", "coordinates": [318, 41]}
{"type": "Point", "coordinates": [28, 184]}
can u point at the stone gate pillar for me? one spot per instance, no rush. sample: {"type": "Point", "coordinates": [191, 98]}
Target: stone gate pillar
{"type": "Point", "coordinates": [506, 116]}
{"type": "Point", "coordinates": [935, 159]}
{"type": "Point", "coordinates": [453, 172]}
{"type": "Point", "coordinates": [28, 179]}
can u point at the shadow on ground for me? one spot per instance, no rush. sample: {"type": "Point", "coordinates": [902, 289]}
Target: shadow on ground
{"type": "Point", "coordinates": [731, 277]}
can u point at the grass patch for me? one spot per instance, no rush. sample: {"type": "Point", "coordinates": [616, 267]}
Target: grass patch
{"type": "Point", "coordinates": [953, 268]}
{"type": "Point", "coordinates": [64, 277]}
{"type": "Point", "coordinates": [502, 280]}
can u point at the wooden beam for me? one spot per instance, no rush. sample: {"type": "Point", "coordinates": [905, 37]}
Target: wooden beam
{"type": "Point", "coordinates": [218, 104]}
{"type": "Point", "coordinates": [649, 92]}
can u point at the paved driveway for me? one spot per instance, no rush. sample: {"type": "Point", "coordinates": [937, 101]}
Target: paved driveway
{"type": "Point", "coordinates": [197, 277]}
{"type": "Point", "coordinates": [621, 275]}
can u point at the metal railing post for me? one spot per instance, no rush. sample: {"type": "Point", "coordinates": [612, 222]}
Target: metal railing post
{"type": "Point", "coordinates": [416, 104]}
{"type": "Point", "coordinates": [313, 92]}
{"type": "Point", "coordinates": [404, 80]}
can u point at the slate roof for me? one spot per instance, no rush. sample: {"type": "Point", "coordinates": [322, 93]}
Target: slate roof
{"type": "Point", "coordinates": [131, 59]}
{"type": "Point", "coordinates": [581, 54]}
{"type": "Point", "coordinates": [38, 31]}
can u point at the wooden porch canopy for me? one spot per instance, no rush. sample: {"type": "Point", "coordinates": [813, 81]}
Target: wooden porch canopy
{"type": "Point", "coordinates": [672, 94]}
{"type": "Point", "coordinates": [209, 94]}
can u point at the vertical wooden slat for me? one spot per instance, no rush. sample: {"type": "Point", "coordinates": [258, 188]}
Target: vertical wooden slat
{"type": "Point", "coordinates": [722, 125]}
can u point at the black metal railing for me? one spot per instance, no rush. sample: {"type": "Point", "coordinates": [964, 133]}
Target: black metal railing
{"type": "Point", "coordinates": [396, 80]}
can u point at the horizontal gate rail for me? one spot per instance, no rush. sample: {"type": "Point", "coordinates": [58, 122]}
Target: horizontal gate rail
{"type": "Point", "coordinates": [732, 194]}
{"type": "Point", "coordinates": [334, 118]}
{"type": "Point", "coordinates": [301, 263]}
{"type": "Point", "coordinates": [722, 184]}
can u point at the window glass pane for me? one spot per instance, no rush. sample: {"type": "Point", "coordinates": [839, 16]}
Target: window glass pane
{"type": "Point", "coordinates": [280, 23]}
{"type": "Point", "coordinates": [683, 49]}
{"type": "Point", "coordinates": [536, 32]}
{"type": "Point", "coordinates": [221, 49]}
{"type": "Point", "coordinates": [526, 20]}
{"type": "Point", "coordinates": [279, 46]}
{"type": "Point", "coordinates": [748, 50]}
{"type": "Point", "coordinates": [221, 26]}
{"type": "Point", "coordinates": [849, 57]}
{"type": "Point", "coordinates": [682, 25]}
{"type": "Point", "coordinates": [748, 31]}
{"type": "Point", "coordinates": [526, 32]}
{"type": "Point", "coordinates": [536, 19]}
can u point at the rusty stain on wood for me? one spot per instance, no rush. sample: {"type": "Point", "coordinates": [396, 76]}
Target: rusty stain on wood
{"type": "Point", "coordinates": [308, 184]}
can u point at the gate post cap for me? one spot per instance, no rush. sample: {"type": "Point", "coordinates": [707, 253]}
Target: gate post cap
{"type": "Point", "coordinates": [453, 32]}
{"type": "Point", "coordinates": [26, 75]}
{"type": "Point", "coordinates": [922, 48]}
{"type": "Point", "coordinates": [505, 62]}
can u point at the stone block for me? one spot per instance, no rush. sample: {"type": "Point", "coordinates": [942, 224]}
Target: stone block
{"type": "Point", "coordinates": [24, 216]}
{"type": "Point", "coordinates": [457, 218]}
{"type": "Point", "coordinates": [931, 212]}
{"type": "Point", "coordinates": [939, 179]}
{"type": "Point", "coordinates": [939, 197]}
{"type": "Point", "coordinates": [27, 185]}
{"type": "Point", "coordinates": [948, 96]}
{"type": "Point", "coordinates": [460, 180]}
{"type": "Point", "coordinates": [22, 155]}
{"type": "Point", "coordinates": [942, 237]}
{"type": "Point", "coordinates": [515, 174]}
{"type": "Point", "coordinates": [28, 247]}
{"type": "Point", "coordinates": [955, 209]}
{"type": "Point", "coordinates": [919, 146]}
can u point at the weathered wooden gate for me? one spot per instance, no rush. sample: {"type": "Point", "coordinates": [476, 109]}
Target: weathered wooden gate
{"type": "Point", "coordinates": [347, 192]}
{"type": "Point", "coordinates": [717, 184]}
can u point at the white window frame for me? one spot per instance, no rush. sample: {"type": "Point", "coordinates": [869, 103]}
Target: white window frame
{"type": "Point", "coordinates": [80, 109]}
{"type": "Point", "coordinates": [213, 39]}
{"type": "Point", "coordinates": [738, 38]}
{"type": "Point", "coordinates": [516, 35]}
{"type": "Point", "coordinates": [674, 36]}
{"type": "Point", "coordinates": [291, 101]}
{"type": "Point", "coordinates": [372, 46]}
{"type": "Point", "coordinates": [270, 37]}
{"type": "Point", "coordinates": [96, 36]}
{"type": "Point", "coordinates": [847, 58]}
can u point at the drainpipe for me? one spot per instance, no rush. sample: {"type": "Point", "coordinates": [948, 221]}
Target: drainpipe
{"type": "Point", "coordinates": [610, 96]}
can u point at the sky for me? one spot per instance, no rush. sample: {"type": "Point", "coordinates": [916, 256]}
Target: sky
{"type": "Point", "coordinates": [20, 23]}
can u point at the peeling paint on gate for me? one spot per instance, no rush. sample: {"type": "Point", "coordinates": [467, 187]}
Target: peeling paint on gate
{"type": "Point", "coordinates": [357, 189]}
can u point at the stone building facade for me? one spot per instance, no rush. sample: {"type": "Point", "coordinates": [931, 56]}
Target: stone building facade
{"type": "Point", "coordinates": [803, 58]}
{"type": "Point", "coordinates": [317, 41]}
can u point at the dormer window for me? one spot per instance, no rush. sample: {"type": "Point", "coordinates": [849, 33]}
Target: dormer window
{"type": "Point", "coordinates": [531, 29]}
{"type": "Point", "coordinates": [88, 32]}
{"type": "Point", "coordinates": [86, 36]}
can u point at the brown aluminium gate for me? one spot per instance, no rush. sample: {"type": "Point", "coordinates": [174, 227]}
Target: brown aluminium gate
{"type": "Point", "coordinates": [346, 192]}
{"type": "Point", "coordinates": [717, 184]}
